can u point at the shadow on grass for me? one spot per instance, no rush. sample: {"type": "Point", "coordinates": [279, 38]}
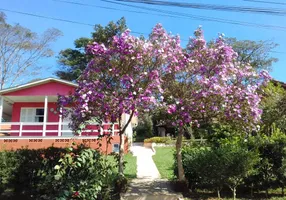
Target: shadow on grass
{"type": "Point", "coordinates": [227, 195]}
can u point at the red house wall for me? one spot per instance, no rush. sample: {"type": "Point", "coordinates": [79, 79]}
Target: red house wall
{"type": "Point", "coordinates": [49, 89]}
{"type": "Point", "coordinates": [51, 117]}
{"type": "Point", "coordinates": [38, 143]}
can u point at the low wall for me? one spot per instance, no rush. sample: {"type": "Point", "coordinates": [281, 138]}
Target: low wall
{"type": "Point", "coordinates": [9, 143]}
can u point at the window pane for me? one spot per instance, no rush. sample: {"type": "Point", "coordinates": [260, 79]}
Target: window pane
{"type": "Point", "coordinates": [40, 111]}
{"type": "Point", "coordinates": [116, 148]}
{"type": "Point", "coordinates": [40, 119]}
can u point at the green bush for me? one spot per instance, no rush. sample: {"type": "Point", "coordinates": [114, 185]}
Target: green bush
{"type": "Point", "coordinates": [8, 165]}
{"type": "Point", "coordinates": [215, 167]}
{"type": "Point", "coordinates": [84, 174]}
{"type": "Point", "coordinates": [163, 140]}
{"type": "Point", "coordinates": [53, 173]}
{"type": "Point", "coordinates": [271, 170]}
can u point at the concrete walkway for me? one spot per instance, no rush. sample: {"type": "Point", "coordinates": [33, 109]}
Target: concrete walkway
{"type": "Point", "coordinates": [148, 185]}
{"type": "Point", "coordinates": [146, 168]}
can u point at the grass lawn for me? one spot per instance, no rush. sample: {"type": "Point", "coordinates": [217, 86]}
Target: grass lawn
{"type": "Point", "coordinates": [164, 160]}
{"type": "Point", "coordinates": [130, 169]}
{"type": "Point", "coordinates": [130, 166]}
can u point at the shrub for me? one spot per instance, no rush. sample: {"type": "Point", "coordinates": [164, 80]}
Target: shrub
{"type": "Point", "coordinates": [84, 174]}
{"type": "Point", "coordinates": [158, 140]}
{"type": "Point", "coordinates": [8, 165]}
{"type": "Point", "coordinates": [53, 173]}
{"type": "Point", "coordinates": [214, 167]}
{"type": "Point", "coordinates": [271, 170]}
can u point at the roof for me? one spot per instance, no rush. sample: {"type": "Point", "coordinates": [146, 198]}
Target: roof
{"type": "Point", "coordinates": [35, 83]}
{"type": "Point", "coordinates": [276, 82]}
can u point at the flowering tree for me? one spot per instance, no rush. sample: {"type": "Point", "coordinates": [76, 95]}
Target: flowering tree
{"type": "Point", "coordinates": [197, 83]}
{"type": "Point", "coordinates": [209, 84]}
{"type": "Point", "coordinates": [121, 78]}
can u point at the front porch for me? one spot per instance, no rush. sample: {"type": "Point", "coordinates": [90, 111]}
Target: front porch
{"type": "Point", "coordinates": [53, 129]}
{"type": "Point", "coordinates": [38, 116]}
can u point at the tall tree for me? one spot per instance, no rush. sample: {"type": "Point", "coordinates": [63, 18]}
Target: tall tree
{"type": "Point", "coordinates": [274, 107]}
{"type": "Point", "coordinates": [211, 84]}
{"type": "Point", "coordinates": [21, 50]}
{"type": "Point", "coordinates": [74, 61]}
{"type": "Point", "coordinates": [122, 78]}
{"type": "Point", "coordinates": [256, 53]}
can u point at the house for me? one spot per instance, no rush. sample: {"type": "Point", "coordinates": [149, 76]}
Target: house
{"type": "Point", "coordinates": [30, 117]}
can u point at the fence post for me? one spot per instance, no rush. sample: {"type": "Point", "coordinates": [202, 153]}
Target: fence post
{"type": "Point", "coordinates": [45, 116]}
{"type": "Point", "coordinates": [101, 130]}
{"type": "Point", "coordinates": [112, 129]}
{"type": "Point", "coordinates": [21, 128]}
{"type": "Point", "coordinates": [60, 122]}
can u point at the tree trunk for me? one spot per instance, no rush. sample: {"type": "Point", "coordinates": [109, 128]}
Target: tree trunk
{"type": "Point", "coordinates": [121, 155]}
{"type": "Point", "coordinates": [121, 144]}
{"type": "Point", "coordinates": [282, 188]}
{"type": "Point", "coordinates": [218, 193]}
{"type": "Point", "coordinates": [181, 173]}
{"type": "Point", "coordinates": [234, 193]}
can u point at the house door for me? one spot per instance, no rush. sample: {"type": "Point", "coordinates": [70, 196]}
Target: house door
{"type": "Point", "coordinates": [66, 130]}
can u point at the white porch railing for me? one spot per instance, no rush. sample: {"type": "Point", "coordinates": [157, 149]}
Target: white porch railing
{"type": "Point", "coordinates": [52, 127]}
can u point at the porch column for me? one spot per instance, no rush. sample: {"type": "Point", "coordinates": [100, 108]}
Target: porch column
{"type": "Point", "coordinates": [1, 108]}
{"type": "Point", "coordinates": [60, 122]}
{"type": "Point", "coordinates": [45, 116]}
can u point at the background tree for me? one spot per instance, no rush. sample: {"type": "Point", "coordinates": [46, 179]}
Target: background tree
{"type": "Point", "coordinates": [20, 51]}
{"type": "Point", "coordinates": [144, 129]}
{"type": "Point", "coordinates": [274, 107]}
{"type": "Point", "coordinates": [74, 61]}
{"type": "Point", "coordinates": [256, 53]}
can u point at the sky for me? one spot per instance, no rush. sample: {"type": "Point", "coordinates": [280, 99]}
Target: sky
{"type": "Point", "coordinates": [143, 23]}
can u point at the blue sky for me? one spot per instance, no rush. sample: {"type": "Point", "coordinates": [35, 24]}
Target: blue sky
{"type": "Point", "coordinates": [144, 23]}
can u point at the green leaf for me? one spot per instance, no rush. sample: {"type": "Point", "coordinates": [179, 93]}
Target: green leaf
{"type": "Point", "coordinates": [58, 177]}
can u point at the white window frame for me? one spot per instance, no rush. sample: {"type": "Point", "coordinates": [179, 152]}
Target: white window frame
{"type": "Point", "coordinates": [34, 114]}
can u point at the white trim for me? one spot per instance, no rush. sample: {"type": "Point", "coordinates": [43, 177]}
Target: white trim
{"type": "Point", "coordinates": [112, 131]}
{"type": "Point", "coordinates": [21, 129]}
{"type": "Point", "coordinates": [32, 123]}
{"type": "Point", "coordinates": [45, 115]}
{"type": "Point", "coordinates": [37, 83]}
{"type": "Point", "coordinates": [60, 122]}
{"type": "Point", "coordinates": [41, 124]}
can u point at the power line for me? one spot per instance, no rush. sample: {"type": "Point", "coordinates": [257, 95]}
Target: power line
{"type": "Point", "coordinates": [45, 17]}
{"type": "Point", "coordinates": [78, 23]}
{"type": "Point", "coordinates": [109, 8]}
{"type": "Point", "coordinates": [268, 2]}
{"type": "Point", "coordinates": [202, 18]}
{"type": "Point", "coordinates": [245, 9]}
{"type": "Point", "coordinates": [59, 19]}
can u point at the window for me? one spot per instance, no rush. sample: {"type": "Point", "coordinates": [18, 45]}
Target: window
{"type": "Point", "coordinates": [32, 115]}
{"type": "Point", "coordinates": [115, 148]}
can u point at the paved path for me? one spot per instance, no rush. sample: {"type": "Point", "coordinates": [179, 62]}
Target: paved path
{"type": "Point", "coordinates": [146, 168]}
{"type": "Point", "coordinates": [148, 185]}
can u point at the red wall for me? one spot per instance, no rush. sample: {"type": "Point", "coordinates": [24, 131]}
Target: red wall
{"type": "Point", "coordinates": [38, 143]}
{"type": "Point", "coordinates": [46, 89]}
{"type": "Point", "coordinates": [16, 113]}
{"type": "Point", "coordinates": [49, 89]}
{"type": "Point", "coordinates": [51, 118]}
